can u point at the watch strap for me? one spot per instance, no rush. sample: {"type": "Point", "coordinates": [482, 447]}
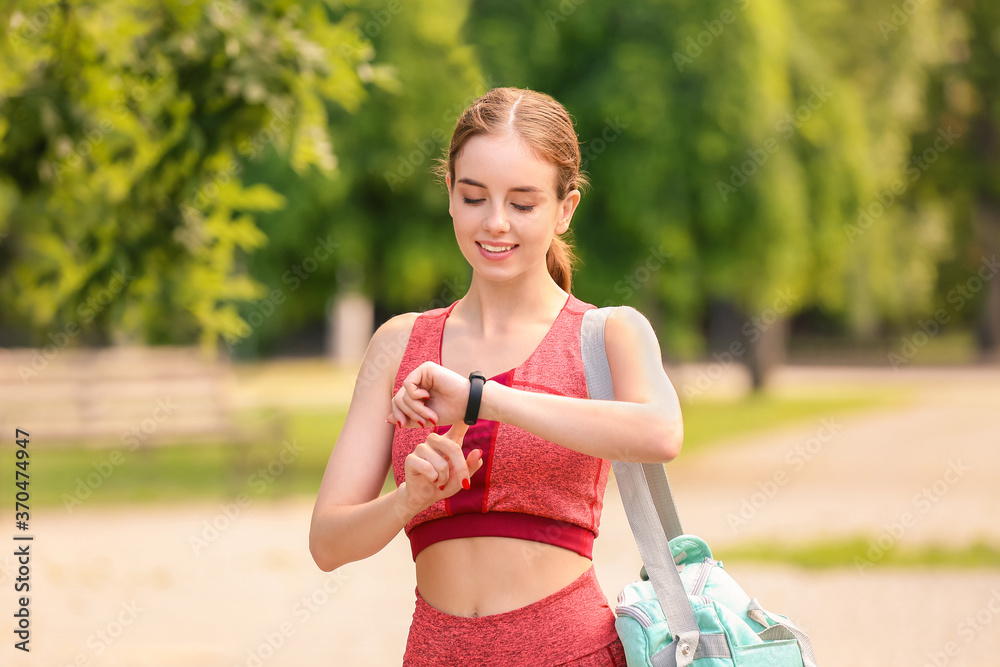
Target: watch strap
{"type": "Point", "coordinates": [476, 382]}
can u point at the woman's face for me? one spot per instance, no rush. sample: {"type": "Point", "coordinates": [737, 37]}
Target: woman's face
{"type": "Point", "coordinates": [504, 206]}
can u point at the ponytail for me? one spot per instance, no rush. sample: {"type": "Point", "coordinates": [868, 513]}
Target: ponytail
{"type": "Point", "coordinates": [560, 260]}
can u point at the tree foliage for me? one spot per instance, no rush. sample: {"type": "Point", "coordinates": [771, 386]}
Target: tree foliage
{"type": "Point", "coordinates": [126, 126]}
{"type": "Point", "coordinates": [752, 135]}
{"type": "Point", "coordinates": [963, 181]}
{"type": "Point", "coordinates": [218, 170]}
{"type": "Point", "coordinates": [382, 208]}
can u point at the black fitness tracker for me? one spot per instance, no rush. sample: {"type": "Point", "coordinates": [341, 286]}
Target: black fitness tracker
{"type": "Point", "coordinates": [476, 382]}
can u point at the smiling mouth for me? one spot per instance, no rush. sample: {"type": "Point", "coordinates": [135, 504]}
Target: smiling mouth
{"type": "Point", "coordinates": [495, 248]}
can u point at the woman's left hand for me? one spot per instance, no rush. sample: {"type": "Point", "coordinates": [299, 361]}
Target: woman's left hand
{"type": "Point", "coordinates": [431, 395]}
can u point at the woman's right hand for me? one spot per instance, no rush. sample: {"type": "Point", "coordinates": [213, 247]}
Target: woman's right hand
{"type": "Point", "coordinates": [437, 468]}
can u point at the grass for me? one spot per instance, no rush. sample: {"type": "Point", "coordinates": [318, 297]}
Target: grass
{"type": "Point", "coordinates": [199, 470]}
{"type": "Point", "coordinates": [207, 470]}
{"type": "Point", "coordinates": [947, 347]}
{"type": "Point", "coordinates": [712, 422]}
{"type": "Point", "coordinates": [863, 552]}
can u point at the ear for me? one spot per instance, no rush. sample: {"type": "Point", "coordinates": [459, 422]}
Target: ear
{"type": "Point", "coordinates": [566, 209]}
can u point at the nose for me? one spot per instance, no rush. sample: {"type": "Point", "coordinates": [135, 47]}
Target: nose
{"type": "Point", "coordinates": [496, 222]}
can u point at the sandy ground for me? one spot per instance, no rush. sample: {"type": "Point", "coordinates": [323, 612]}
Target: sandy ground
{"type": "Point", "coordinates": [226, 585]}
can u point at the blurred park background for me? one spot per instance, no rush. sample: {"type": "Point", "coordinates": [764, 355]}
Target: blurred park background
{"type": "Point", "coordinates": [206, 206]}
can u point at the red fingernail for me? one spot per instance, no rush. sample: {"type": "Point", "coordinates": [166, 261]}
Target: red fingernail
{"type": "Point", "coordinates": [465, 484]}
{"type": "Point", "coordinates": [399, 424]}
{"type": "Point", "coordinates": [421, 423]}
{"type": "Point", "coordinates": [432, 421]}
{"type": "Point", "coordinates": [442, 487]}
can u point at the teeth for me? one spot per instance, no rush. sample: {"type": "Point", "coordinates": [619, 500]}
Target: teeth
{"type": "Point", "coordinates": [496, 248]}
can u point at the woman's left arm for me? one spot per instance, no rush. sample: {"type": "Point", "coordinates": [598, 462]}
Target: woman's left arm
{"type": "Point", "coordinates": [642, 424]}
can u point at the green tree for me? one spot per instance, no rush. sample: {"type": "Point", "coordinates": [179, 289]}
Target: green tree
{"type": "Point", "coordinates": [382, 207]}
{"type": "Point", "coordinates": [125, 130]}
{"type": "Point", "coordinates": [963, 180]}
{"type": "Point", "coordinates": [733, 146]}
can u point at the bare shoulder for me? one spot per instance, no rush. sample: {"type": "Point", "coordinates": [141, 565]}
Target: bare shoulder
{"type": "Point", "coordinates": [394, 333]}
{"type": "Point", "coordinates": [627, 326]}
{"type": "Point", "coordinates": [386, 349]}
{"type": "Point", "coordinates": [638, 376]}
{"type": "Point", "coordinates": [634, 358]}
{"type": "Point", "coordinates": [362, 455]}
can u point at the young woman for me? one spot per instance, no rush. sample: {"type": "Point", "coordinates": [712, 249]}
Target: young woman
{"type": "Point", "coordinates": [501, 514]}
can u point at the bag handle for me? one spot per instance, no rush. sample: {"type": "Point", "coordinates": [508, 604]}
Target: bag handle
{"type": "Point", "coordinates": [652, 516]}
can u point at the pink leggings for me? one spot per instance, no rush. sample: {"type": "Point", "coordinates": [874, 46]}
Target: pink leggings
{"type": "Point", "coordinates": [573, 626]}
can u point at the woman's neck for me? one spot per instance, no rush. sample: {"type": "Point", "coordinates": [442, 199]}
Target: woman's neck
{"type": "Point", "coordinates": [498, 306]}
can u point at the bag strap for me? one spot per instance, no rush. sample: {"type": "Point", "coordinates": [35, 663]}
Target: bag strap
{"type": "Point", "coordinates": [645, 516]}
{"type": "Point", "coordinates": [782, 629]}
{"type": "Point", "coordinates": [595, 362]}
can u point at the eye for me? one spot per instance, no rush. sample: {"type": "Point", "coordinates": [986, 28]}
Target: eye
{"type": "Point", "coordinates": [523, 209]}
{"type": "Point", "coordinates": [473, 202]}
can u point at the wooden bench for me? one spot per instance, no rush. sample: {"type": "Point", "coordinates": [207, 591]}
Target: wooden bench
{"type": "Point", "coordinates": [119, 396]}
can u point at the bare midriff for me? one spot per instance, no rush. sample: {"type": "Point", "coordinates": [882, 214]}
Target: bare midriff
{"type": "Point", "coordinates": [478, 576]}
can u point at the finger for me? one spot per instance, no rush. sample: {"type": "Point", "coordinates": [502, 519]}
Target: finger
{"type": "Point", "coordinates": [474, 461]}
{"type": "Point", "coordinates": [417, 470]}
{"type": "Point", "coordinates": [439, 457]}
{"type": "Point", "coordinates": [457, 432]}
{"type": "Point", "coordinates": [395, 416]}
{"type": "Point", "coordinates": [453, 452]}
{"type": "Point", "coordinates": [421, 481]}
{"type": "Point", "coordinates": [421, 466]}
{"type": "Point", "coordinates": [398, 416]}
{"type": "Point", "coordinates": [414, 411]}
{"type": "Point", "coordinates": [414, 390]}
{"type": "Point", "coordinates": [415, 401]}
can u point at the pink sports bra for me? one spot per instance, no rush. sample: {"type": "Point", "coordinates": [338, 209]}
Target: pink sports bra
{"type": "Point", "coordinates": [527, 487]}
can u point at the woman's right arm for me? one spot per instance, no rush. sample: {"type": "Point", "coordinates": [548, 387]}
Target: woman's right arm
{"type": "Point", "coordinates": [351, 520]}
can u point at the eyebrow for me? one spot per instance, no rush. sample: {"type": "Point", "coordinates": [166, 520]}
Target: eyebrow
{"type": "Point", "coordinates": [520, 188]}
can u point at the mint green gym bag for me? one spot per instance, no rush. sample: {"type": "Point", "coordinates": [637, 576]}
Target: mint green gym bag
{"type": "Point", "coordinates": [688, 610]}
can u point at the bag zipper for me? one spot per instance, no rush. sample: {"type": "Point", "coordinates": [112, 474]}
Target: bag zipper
{"type": "Point", "coordinates": [706, 569]}
{"type": "Point", "coordinates": [637, 614]}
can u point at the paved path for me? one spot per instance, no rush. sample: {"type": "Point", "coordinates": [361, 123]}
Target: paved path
{"type": "Point", "coordinates": [933, 464]}
{"type": "Point", "coordinates": [135, 587]}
